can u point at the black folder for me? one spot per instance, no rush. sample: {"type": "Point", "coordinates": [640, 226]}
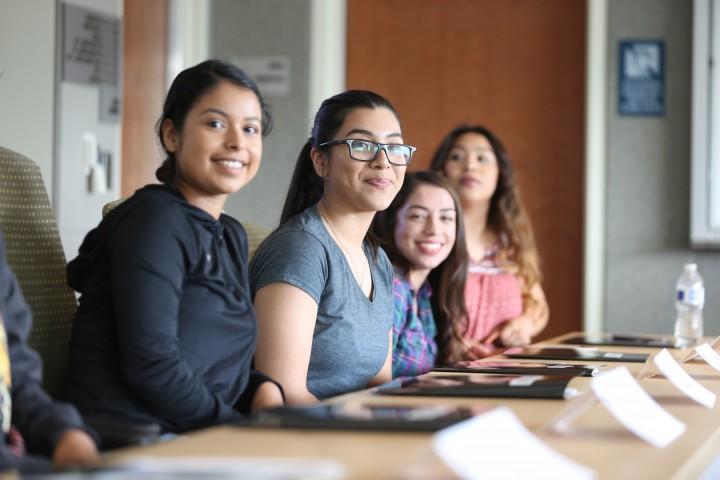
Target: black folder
{"type": "Point", "coordinates": [512, 386]}
{"type": "Point", "coordinates": [522, 368]}
{"type": "Point", "coordinates": [584, 354]}
{"type": "Point", "coordinates": [423, 418]}
{"type": "Point", "coordinates": [621, 340]}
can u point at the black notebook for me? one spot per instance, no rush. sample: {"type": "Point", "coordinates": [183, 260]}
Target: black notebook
{"type": "Point", "coordinates": [513, 386]}
{"type": "Point", "coordinates": [621, 340]}
{"type": "Point", "coordinates": [584, 354]}
{"type": "Point", "coordinates": [523, 368]}
{"type": "Point", "coordinates": [427, 418]}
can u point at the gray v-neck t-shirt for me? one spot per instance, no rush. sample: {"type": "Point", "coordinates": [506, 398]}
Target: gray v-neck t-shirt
{"type": "Point", "coordinates": [351, 336]}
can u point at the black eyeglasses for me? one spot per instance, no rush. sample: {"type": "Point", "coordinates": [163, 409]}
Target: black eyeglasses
{"type": "Point", "coordinates": [367, 151]}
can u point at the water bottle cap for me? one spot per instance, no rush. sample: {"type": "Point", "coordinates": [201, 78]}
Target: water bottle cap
{"type": "Point", "coordinates": [691, 267]}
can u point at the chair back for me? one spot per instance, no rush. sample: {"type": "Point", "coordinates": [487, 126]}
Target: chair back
{"type": "Point", "coordinates": [256, 235]}
{"type": "Point", "coordinates": [35, 254]}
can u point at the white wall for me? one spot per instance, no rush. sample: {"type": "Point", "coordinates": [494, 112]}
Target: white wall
{"type": "Point", "coordinates": [648, 181]}
{"type": "Point", "coordinates": [310, 34]}
{"type": "Point", "coordinates": [27, 84]}
{"type": "Point", "coordinates": [241, 29]}
{"type": "Point", "coordinates": [77, 113]}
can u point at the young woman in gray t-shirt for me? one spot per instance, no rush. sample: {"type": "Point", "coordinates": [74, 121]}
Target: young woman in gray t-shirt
{"type": "Point", "coordinates": [323, 288]}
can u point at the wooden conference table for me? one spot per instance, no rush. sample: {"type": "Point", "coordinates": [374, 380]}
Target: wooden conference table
{"type": "Point", "coordinates": [595, 439]}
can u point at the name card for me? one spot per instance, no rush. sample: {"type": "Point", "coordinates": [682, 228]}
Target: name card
{"type": "Point", "coordinates": [690, 354]}
{"type": "Point", "coordinates": [631, 405]}
{"type": "Point", "coordinates": [709, 355]}
{"type": "Point", "coordinates": [511, 451]}
{"type": "Point", "coordinates": [684, 382]}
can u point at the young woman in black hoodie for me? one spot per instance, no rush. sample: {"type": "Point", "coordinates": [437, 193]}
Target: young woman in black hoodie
{"type": "Point", "coordinates": [165, 330]}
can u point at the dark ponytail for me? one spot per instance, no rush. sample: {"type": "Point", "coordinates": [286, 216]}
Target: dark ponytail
{"type": "Point", "coordinates": [166, 172]}
{"type": "Point", "coordinates": [184, 93]}
{"type": "Point", "coordinates": [306, 186]}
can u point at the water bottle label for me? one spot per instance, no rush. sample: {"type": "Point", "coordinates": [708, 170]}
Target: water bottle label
{"type": "Point", "coordinates": [691, 296]}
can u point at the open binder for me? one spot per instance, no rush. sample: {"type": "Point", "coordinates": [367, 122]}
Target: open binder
{"type": "Point", "coordinates": [522, 368]}
{"type": "Point", "coordinates": [567, 353]}
{"type": "Point", "coordinates": [427, 418]}
{"type": "Point", "coordinates": [512, 386]}
{"type": "Point", "coordinates": [617, 340]}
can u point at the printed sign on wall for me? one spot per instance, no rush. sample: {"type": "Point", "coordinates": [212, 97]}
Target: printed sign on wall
{"type": "Point", "coordinates": [641, 87]}
{"type": "Point", "coordinates": [272, 74]}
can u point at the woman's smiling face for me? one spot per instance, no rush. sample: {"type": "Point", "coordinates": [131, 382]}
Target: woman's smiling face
{"type": "Point", "coordinates": [361, 186]}
{"type": "Point", "coordinates": [425, 227]}
{"type": "Point", "coordinates": [219, 145]}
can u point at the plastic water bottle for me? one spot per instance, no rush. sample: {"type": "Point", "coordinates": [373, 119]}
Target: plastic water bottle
{"type": "Point", "coordinates": [689, 301]}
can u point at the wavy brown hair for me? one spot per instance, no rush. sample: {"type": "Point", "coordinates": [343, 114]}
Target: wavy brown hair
{"type": "Point", "coordinates": [507, 216]}
{"type": "Point", "coordinates": [447, 279]}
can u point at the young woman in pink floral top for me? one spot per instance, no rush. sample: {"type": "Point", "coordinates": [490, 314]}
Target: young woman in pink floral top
{"type": "Point", "coordinates": [505, 303]}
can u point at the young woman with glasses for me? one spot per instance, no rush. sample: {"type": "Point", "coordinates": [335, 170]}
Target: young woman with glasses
{"type": "Point", "coordinates": [505, 303]}
{"type": "Point", "coordinates": [321, 284]}
{"type": "Point", "coordinates": [422, 233]}
{"type": "Point", "coordinates": [165, 330]}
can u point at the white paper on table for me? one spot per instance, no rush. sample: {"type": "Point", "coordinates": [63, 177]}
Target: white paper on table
{"type": "Point", "coordinates": [682, 380]}
{"type": "Point", "coordinates": [631, 405]}
{"type": "Point", "coordinates": [264, 468]}
{"type": "Point", "coordinates": [497, 445]}
{"type": "Point", "coordinates": [709, 355]}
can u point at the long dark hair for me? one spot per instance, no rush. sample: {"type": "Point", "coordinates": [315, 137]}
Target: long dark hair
{"type": "Point", "coordinates": [186, 90]}
{"type": "Point", "coordinates": [306, 187]}
{"type": "Point", "coordinates": [507, 216]}
{"type": "Point", "coordinates": [447, 279]}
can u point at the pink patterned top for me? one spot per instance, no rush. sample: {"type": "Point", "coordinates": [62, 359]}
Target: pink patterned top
{"type": "Point", "coordinates": [492, 295]}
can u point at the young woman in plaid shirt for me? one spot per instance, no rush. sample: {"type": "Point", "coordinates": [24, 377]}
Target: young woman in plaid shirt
{"type": "Point", "coordinates": [422, 233]}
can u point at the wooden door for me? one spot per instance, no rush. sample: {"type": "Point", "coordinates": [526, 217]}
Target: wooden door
{"type": "Point", "coordinates": [517, 67]}
{"type": "Point", "coordinates": [144, 65]}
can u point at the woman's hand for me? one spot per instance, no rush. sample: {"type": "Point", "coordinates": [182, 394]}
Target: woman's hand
{"type": "Point", "coordinates": [517, 332]}
{"type": "Point", "coordinates": [75, 447]}
{"type": "Point", "coordinates": [477, 349]}
{"type": "Point", "coordinates": [266, 396]}
{"type": "Point", "coordinates": [520, 330]}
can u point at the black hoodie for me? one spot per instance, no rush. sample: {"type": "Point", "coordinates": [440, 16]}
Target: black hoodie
{"type": "Point", "coordinates": [165, 330]}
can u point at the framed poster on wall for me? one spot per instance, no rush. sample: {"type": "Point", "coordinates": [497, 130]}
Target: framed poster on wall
{"type": "Point", "coordinates": [641, 86]}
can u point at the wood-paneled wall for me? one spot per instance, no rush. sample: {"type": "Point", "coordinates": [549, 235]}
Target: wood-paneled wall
{"type": "Point", "coordinates": [144, 65]}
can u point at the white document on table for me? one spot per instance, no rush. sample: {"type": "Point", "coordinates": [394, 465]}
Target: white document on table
{"type": "Point", "coordinates": [682, 380]}
{"type": "Point", "coordinates": [221, 468]}
{"type": "Point", "coordinates": [631, 405]}
{"type": "Point", "coordinates": [497, 445]}
{"type": "Point", "coordinates": [709, 355]}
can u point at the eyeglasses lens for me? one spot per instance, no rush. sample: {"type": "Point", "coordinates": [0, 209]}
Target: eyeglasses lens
{"type": "Point", "coordinates": [366, 152]}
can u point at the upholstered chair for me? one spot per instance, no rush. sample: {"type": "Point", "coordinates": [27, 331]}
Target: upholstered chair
{"type": "Point", "coordinates": [35, 254]}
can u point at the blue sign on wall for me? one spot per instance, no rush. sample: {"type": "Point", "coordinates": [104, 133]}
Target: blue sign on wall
{"type": "Point", "coordinates": [641, 89]}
